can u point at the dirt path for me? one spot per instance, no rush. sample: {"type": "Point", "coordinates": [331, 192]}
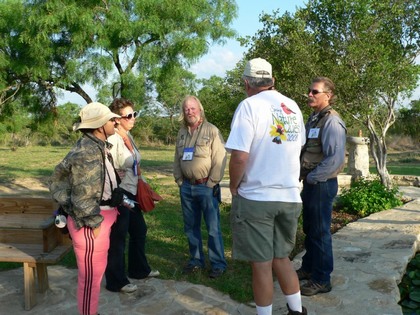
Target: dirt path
{"type": "Point", "coordinates": [23, 187]}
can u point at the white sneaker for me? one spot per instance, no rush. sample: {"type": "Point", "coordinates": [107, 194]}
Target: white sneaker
{"type": "Point", "coordinates": [129, 288]}
{"type": "Point", "coordinates": [154, 273]}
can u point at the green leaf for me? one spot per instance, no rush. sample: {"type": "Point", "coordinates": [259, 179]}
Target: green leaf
{"type": "Point", "coordinates": [410, 304]}
{"type": "Point", "coordinates": [415, 296]}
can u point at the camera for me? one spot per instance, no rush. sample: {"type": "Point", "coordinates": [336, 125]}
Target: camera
{"type": "Point", "coordinates": [119, 198]}
{"type": "Point", "coordinates": [60, 221]}
{"type": "Point", "coordinates": [127, 202]}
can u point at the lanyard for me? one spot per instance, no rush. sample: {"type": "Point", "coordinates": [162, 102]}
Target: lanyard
{"type": "Point", "coordinates": [198, 135]}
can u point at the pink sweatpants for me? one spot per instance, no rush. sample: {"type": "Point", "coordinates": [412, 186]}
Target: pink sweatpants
{"type": "Point", "coordinates": [91, 255]}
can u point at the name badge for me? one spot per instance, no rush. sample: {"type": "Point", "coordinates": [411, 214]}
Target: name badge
{"type": "Point", "coordinates": [135, 167]}
{"type": "Point", "coordinates": [313, 133]}
{"type": "Point", "coordinates": [188, 154]}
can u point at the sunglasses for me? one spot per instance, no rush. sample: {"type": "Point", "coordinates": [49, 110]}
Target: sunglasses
{"type": "Point", "coordinates": [131, 115]}
{"type": "Point", "coordinates": [315, 92]}
{"type": "Point", "coordinates": [112, 119]}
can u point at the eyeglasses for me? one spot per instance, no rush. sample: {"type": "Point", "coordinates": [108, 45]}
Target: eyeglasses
{"type": "Point", "coordinates": [131, 115]}
{"type": "Point", "coordinates": [315, 92]}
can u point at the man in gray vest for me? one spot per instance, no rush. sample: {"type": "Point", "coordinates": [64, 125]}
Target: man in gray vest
{"type": "Point", "coordinates": [322, 158]}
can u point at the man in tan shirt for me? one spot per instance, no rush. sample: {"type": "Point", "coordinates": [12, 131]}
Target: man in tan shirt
{"type": "Point", "coordinates": [199, 164]}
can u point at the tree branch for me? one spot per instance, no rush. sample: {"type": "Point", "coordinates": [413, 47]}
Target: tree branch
{"type": "Point", "coordinates": [76, 88]}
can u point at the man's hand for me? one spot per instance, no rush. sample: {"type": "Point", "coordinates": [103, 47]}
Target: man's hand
{"type": "Point", "coordinates": [234, 191]}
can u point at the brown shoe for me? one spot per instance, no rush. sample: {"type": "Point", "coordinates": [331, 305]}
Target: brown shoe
{"type": "Point", "coordinates": [303, 275]}
{"type": "Point", "coordinates": [304, 311]}
{"type": "Point", "coordinates": [312, 288]}
{"type": "Point", "coordinates": [188, 269]}
{"type": "Point", "coordinates": [216, 273]}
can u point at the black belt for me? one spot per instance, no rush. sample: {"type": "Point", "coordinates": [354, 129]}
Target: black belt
{"type": "Point", "coordinates": [105, 202]}
{"type": "Point", "coordinates": [198, 181]}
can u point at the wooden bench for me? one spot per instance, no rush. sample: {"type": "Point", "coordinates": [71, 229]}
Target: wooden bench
{"type": "Point", "coordinates": [28, 235]}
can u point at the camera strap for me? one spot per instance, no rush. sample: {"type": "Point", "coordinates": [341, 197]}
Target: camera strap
{"type": "Point", "coordinates": [111, 179]}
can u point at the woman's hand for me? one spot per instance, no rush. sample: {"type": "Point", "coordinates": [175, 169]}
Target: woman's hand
{"type": "Point", "coordinates": [96, 231]}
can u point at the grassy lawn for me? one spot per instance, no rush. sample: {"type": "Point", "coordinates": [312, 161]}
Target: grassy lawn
{"type": "Point", "coordinates": [402, 163]}
{"type": "Point", "coordinates": [167, 247]}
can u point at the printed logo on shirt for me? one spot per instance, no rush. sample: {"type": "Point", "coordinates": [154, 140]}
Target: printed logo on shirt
{"type": "Point", "coordinates": [285, 124]}
{"type": "Point", "coordinates": [278, 131]}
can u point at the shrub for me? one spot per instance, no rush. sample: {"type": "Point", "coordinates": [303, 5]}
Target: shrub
{"type": "Point", "coordinates": [410, 287]}
{"type": "Point", "coordinates": [365, 197]}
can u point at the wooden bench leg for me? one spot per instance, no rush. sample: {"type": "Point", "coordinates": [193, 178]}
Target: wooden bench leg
{"type": "Point", "coordinates": [29, 284]}
{"type": "Point", "coordinates": [42, 273]}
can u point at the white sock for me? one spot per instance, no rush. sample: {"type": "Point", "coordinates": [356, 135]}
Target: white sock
{"type": "Point", "coordinates": [294, 301]}
{"type": "Point", "coordinates": [264, 310]}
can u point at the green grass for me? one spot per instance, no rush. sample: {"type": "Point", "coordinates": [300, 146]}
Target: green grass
{"type": "Point", "coordinates": [401, 169]}
{"type": "Point", "coordinates": [167, 248]}
{"type": "Point", "coordinates": [29, 162]}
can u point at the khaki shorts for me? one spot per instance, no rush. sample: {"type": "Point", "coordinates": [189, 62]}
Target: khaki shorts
{"type": "Point", "coordinates": [263, 230]}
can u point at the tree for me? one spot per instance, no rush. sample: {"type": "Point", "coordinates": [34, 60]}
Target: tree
{"type": "Point", "coordinates": [121, 43]}
{"type": "Point", "coordinates": [291, 50]}
{"type": "Point", "coordinates": [408, 121]}
{"type": "Point", "coordinates": [15, 61]}
{"type": "Point", "coordinates": [367, 47]}
{"type": "Point", "coordinates": [173, 83]}
{"type": "Point", "coordinates": [220, 97]}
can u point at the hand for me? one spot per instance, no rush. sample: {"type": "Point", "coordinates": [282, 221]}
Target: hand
{"type": "Point", "coordinates": [217, 193]}
{"type": "Point", "coordinates": [234, 191]}
{"type": "Point", "coordinates": [96, 231]}
{"type": "Point", "coordinates": [117, 197]}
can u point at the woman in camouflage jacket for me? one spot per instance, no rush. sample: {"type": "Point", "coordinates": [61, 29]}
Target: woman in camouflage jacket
{"type": "Point", "coordinates": [82, 184]}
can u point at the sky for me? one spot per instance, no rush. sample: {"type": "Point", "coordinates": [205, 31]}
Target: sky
{"type": "Point", "coordinates": [222, 58]}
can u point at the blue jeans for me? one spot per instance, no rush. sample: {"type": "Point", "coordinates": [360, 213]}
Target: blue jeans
{"type": "Point", "coordinates": [317, 210]}
{"type": "Point", "coordinates": [197, 200]}
{"type": "Point", "coordinates": [131, 221]}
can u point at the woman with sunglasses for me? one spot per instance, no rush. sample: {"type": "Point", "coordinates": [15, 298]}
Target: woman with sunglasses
{"type": "Point", "coordinates": [126, 158]}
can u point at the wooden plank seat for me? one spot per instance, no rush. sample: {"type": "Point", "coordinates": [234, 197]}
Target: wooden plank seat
{"type": "Point", "coordinates": [28, 235]}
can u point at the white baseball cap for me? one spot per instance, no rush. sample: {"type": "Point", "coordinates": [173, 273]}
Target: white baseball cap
{"type": "Point", "coordinates": [258, 68]}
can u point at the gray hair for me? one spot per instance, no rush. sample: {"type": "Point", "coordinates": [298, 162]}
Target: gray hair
{"type": "Point", "coordinates": [258, 82]}
{"type": "Point", "coordinates": [181, 113]}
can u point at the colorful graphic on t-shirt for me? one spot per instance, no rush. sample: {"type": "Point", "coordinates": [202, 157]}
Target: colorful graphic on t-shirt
{"type": "Point", "coordinates": [285, 125]}
{"type": "Point", "coordinates": [278, 132]}
{"type": "Point", "coordinates": [286, 109]}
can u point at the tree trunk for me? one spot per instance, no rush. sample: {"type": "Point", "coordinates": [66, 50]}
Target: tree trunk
{"type": "Point", "coordinates": [378, 149]}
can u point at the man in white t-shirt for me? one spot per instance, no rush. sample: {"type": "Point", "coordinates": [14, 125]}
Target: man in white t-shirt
{"type": "Point", "coordinates": [267, 134]}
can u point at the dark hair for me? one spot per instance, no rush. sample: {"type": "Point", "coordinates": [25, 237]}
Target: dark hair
{"type": "Point", "coordinates": [329, 87]}
{"type": "Point", "coordinates": [119, 103]}
{"type": "Point", "coordinates": [82, 130]}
